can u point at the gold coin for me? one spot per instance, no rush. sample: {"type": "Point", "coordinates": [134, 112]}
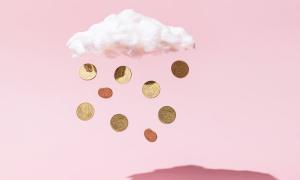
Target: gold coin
{"type": "Point", "coordinates": [180, 69]}
{"type": "Point", "coordinates": [119, 122]}
{"type": "Point", "coordinates": [87, 71]}
{"type": "Point", "coordinates": [85, 111]}
{"type": "Point", "coordinates": [167, 114]}
{"type": "Point", "coordinates": [151, 89]}
{"type": "Point", "coordinates": [123, 74]}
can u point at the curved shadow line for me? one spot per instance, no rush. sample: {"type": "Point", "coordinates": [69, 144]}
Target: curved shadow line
{"type": "Point", "coordinates": [192, 172]}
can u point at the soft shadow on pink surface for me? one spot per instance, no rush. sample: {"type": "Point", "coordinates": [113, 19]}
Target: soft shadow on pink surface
{"type": "Point", "coordinates": [200, 173]}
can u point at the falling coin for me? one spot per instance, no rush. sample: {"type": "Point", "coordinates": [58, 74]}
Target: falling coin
{"type": "Point", "coordinates": [151, 89]}
{"type": "Point", "coordinates": [180, 69]}
{"type": "Point", "coordinates": [123, 74]}
{"type": "Point", "coordinates": [119, 122]}
{"type": "Point", "coordinates": [167, 114]}
{"type": "Point", "coordinates": [150, 135]}
{"type": "Point", "coordinates": [87, 71]}
{"type": "Point", "coordinates": [85, 111]}
{"type": "Point", "coordinates": [105, 92]}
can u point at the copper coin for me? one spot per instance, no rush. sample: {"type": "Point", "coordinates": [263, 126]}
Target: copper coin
{"type": "Point", "coordinates": [87, 71]}
{"type": "Point", "coordinates": [151, 89]}
{"type": "Point", "coordinates": [105, 92]}
{"type": "Point", "coordinates": [119, 122]}
{"type": "Point", "coordinates": [167, 114]}
{"type": "Point", "coordinates": [180, 69]}
{"type": "Point", "coordinates": [150, 135]}
{"type": "Point", "coordinates": [85, 111]}
{"type": "Point", "coordinates": [123, 74]}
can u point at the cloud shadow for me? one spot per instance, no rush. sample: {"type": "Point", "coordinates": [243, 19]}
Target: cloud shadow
{"type": "Point", "coordinates": [199, 173]}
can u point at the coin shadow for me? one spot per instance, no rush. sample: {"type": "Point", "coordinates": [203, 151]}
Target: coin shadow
{"type": "Point", "coordinates": [191, 172]}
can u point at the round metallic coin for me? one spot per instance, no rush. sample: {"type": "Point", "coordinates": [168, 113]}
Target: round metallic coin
{"type": "Point", "coordinates": [119, 122]}
{"type": "Point", "coordinates": [85, 111]}
{"type": "Point", "coordinates": [123, 74]}
{"type": "Point", "coordinates": [180, 69]}
{"type": "Point", "coordinates": [105, 92]}
{"type": "Point", "coordinates": [150, 135]}
{"type": "Point", "coordinates": [87, 71]}
{"type": "Point", "coordinates": [167, 114]}
{"type": "Point", "coordinates": [151, 89]}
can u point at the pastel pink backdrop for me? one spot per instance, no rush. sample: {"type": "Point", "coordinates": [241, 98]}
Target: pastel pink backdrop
{"type": "Point", "coordinates": [238, 108]}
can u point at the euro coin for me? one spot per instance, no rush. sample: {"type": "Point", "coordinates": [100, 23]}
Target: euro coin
{"type": "Point", "coordinates": [123, 74]}
{"type": "Point", "coordinates": [180, 69]}
{"type": "Point", "coordinates": [150, 135]}
{"type": "Point", "coordinates": [151, 89]}
{"type": "Point", "coordinates": [167, 114]}
{"type": "Point", "coordinates": [87, 71]}
{"type": "Point", "coordinates": [119, 122]}
{"type": "Point", "coordinates": [85, 111]}
{"type": "Point", "coordinates": [105, 92]}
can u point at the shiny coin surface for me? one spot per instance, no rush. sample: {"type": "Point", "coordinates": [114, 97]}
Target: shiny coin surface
{"type": "Point", "coordinates": [150, 135]}
{"type": "Point", "coordinates": [85, 111]}
{"type": "Point", "coordinates": [123, 74]}
{"type": "Point", "coordinates": [105, 92]}
{"type": "Point", "coordinates": [119, 122]}
{"type": "Point", "coordinates": [151, 89]}
{"type": "Point", "coordinates": [180, 69]}
{"type": "Point", "coordinates": [167, 114]}
{"type": "Point", "coordinates": [87, 71]}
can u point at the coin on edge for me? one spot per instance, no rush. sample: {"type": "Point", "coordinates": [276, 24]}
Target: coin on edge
{"type": "Point", "coordinates": [123, 74]}
{"type": "Point", "coordinates": [105, 92]}
{"type": "Point", "coordinates": [119, 122]}
{"type": "Point", "coordinates": [87, 71]}
{"type": "Point", "coordinates": [150, 135]}
{"type": "Point", "coordinates": [180, 69]}
{"type": "Point", "coordinates": [85, 111]}
{"type": "Point", "coordinates": [151, 89]}
{"type": "Point", "coordinates": [167, 114]}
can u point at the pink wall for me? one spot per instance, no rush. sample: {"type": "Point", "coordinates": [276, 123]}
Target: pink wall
{"type": "Point", "coordinates": [237, 109]}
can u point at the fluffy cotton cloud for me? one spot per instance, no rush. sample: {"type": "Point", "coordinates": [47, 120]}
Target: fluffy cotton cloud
{"type": "Point", "coordinates": [131, 34]}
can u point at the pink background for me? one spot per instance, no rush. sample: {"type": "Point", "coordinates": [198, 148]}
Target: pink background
{"type": "Point", "coordinates": [238, 108]}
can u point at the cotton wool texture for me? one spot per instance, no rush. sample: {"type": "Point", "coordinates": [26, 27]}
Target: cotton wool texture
{"type": "Point", "coordinates": [131, 34]}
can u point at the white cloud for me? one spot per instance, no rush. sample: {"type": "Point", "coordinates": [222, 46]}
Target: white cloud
{"type": "Point", "coordinates": [131, 34]}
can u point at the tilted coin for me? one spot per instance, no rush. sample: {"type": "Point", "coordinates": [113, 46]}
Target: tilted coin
{"type": "Point", "coordinates": [180, 69]}
{"type": "Point", "coordinates": [105, 92]}
{"type": "Point", "coordinates": [123, 74]}
{"type": "Point", "coordinates": [151, 89]}
{"type": "Point", "coordinates": [150, 135]}
{"type": "Point", "coordinates": [167, 114]}
{"type": "Point", "coordinates": [87, 71]}
{"type": "Point", "coordinates": [119, 122]}
{"type": "Point", "coordinates": [85, 111]}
